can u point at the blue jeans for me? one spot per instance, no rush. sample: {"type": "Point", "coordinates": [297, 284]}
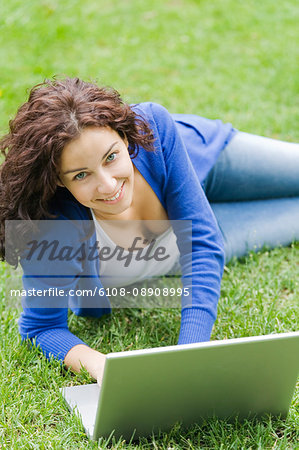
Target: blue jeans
{"type": "Point", "coordinates": [253, 190]}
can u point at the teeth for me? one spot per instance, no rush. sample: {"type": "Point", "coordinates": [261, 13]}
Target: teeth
{"type": "Point", "coordinates": [113, 198]}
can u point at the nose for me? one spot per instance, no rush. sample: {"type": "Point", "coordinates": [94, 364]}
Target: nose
{"type": "Point", "coordinates": [106, 185]}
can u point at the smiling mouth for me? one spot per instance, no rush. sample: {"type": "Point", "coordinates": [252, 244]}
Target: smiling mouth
{"type": "Point", "coordinates": [116, 196]}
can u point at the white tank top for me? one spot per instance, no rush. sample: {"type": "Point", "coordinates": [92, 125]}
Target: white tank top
{"type": "Point", "coordinates": [123, 267]}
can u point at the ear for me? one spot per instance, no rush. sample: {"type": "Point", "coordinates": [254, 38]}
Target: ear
{"type": "Point", "coordinates": [59, 183]}
{"type": "Point", "coordinates": [126, 141]}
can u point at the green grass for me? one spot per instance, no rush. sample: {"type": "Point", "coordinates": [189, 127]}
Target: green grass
{"type": "Point", "coordinates": [221, 59]}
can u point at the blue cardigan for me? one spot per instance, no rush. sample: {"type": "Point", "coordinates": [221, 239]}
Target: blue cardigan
{"type": "Point", "coordinates": [186, 148]}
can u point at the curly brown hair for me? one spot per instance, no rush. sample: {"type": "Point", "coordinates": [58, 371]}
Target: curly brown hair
{"type": "Point", "coordinates": [56, 112]}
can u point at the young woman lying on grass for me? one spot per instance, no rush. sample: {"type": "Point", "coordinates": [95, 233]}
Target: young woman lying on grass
{"type": "Point", "coordinates": [78, 152]}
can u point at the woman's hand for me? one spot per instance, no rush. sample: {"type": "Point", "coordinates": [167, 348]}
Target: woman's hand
{"type": "Point", "coordinates": [100, 370]}
{"type": "Point", "coordinates": [83, 356]}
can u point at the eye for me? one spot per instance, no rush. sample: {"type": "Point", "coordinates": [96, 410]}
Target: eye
{"type": "Point", "coordinates": [111, 157]}
{"type": "Point", "coordinates": [80, 176]}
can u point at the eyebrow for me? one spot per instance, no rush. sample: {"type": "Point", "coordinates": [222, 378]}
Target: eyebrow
{"type": "Point", "coordinates": [85, 168]}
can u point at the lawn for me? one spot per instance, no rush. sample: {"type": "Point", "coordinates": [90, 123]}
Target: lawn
{"type": "Point", "coordinates": [226, 59]}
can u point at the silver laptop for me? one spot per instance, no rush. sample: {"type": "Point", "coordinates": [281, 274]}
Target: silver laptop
{"type": "Point", "coordinates": [144, 391]}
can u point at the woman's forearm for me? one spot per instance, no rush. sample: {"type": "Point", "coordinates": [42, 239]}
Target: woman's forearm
{"type": "Point", "coordinates": [83, 356]}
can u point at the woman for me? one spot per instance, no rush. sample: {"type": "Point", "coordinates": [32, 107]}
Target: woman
{"type": "Point", "coordinates": [76, 152]}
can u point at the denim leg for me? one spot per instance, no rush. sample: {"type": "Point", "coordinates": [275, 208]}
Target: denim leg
{"type": "Point", "coordinates": [247, 226]}
{"type": "Point", "coordinates": [254, 193]}
{"type": "Point", "coordinates": [252, 168]}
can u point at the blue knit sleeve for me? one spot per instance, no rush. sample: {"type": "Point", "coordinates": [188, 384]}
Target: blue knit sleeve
{"type": "Point", "coordinates": [48, 329]}
{"type": "Point", "coordinates": [185, 201]}
{"type": "Point", "coordinates": [59, 278]}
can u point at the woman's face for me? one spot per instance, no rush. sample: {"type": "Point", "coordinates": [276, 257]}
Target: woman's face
{"type": "Point", "coordinates": [97, 169]}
